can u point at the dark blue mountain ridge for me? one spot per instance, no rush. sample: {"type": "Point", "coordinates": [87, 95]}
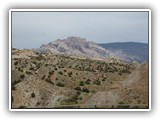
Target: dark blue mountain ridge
{"type": "Point", "coordinates": [128, 51]}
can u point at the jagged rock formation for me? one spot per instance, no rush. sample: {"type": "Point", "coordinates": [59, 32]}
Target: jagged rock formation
{"type": "Point", "coordinates": [75, 46]}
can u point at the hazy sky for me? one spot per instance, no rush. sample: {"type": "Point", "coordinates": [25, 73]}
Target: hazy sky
{"type": "Point", "coordinates": [31, 29]}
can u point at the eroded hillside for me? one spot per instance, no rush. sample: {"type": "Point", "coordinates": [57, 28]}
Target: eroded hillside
{"type": "Point", "coordinates": [51, 81]}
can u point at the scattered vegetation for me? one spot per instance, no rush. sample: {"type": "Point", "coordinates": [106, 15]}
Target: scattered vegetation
{"type": "Point", "coordinates": [83, 76]}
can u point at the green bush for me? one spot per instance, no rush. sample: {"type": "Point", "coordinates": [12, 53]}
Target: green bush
{"type": "Point", "coordinates": [16, 82]}
{"type": "Point", "coordinates": [97, 82]}
{"type": "Point", "coordinates": [34, 62]}
{"type": "Point", "coordinates": [87, 81]}
{"type": "Point", "coordinates": [31, 68]}
{"type": "Point", "coordinates": [33, 95]}
{"type": "Point", "coordinates": [40, 57]}
{"type": "Point", "coordinates": [19, 69]}
{"type": "Point", "coordinates": [60, 84]}
{"type": "Point", "coordinates": [78, 93]}
{"type": "Point", "coordinates": [81, 83]}
{"type": "Point", "coordinates": [22, 76]}
{"type": "Point", "coordinates": [73, 99]}
{"type": "Point", "coordinates": [60, 72]}
{"type": "Point", "coordinates": [85, 90]}
{"type": "Point", "coordinates": [51, 72]}
{"type": "Point", "coordinates": [121, 102]}
{"type": "Point", "coordinates": [78, 88]}
{"type": "Point", "coordinates": [70, 74]}
{"type": "Point", "coordinates": [16, 63]}
{"type": "Point", "coordinates": [49, 76]}
{"type": "Point", "coordinates": [43, 77]}
{"type": "Point", "coordinates": [28, 73]}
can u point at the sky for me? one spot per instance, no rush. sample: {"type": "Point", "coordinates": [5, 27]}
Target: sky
{"type": "Point", "coordinates": [32, 29]}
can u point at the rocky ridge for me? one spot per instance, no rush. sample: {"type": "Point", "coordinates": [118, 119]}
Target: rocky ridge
{"type": "Point", "coordinates": [75, 46]}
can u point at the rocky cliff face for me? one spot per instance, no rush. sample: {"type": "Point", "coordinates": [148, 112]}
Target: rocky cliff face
{"type": "Point", "coordinates": [75, 46]}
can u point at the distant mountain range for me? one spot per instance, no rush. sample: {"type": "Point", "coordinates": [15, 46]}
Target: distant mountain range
{"type": "Point", "coordinates": [128, 51]}
{"type": "Point", "coordinates": [76, 46]}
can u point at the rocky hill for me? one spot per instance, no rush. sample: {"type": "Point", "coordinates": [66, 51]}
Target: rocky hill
{"type": "Point", "coordinates": [49, 80]}
{"type": "Point", "coordinates": [75, 46]}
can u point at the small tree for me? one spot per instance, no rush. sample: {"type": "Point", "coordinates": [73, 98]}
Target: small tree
{"type": "Point", "coordinates": [31, 68]}
{"type": "Point", "coordinates": [85, 90]}
{"type": "Point", "coordinates": [51, 72]}
{"type": "Point", "coordinates": [43, 77]}
{"type": "Point", "coordinates": [78, 88]}
{"type": "Point", "coordinates": [121, 102]}
{"type": "Point", "coordinates": [16, 63]}
{"type": "Point", "coordinates": [34, 62]}
{"type": "Point", "coordinates": [60, 84]}
{"type": "Point", "coordinates": [70, 74]}
{"type": "Point", "coordinates": [33, 95]}
{"type": "Point", "coordinates": [97, 82]}
{"type": "Point", "coordinates": [22, 76]}
{"type": "Point", "coordinates": [60, 72]}
{"type": "Point", "coordinates": [81, 83]}
{"type": "Point", "coordinates": [78, 92]}
{"type": "Point", "coordinates": [103, 79]}
{"type": "Point", "coordinates": [87, 81]}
